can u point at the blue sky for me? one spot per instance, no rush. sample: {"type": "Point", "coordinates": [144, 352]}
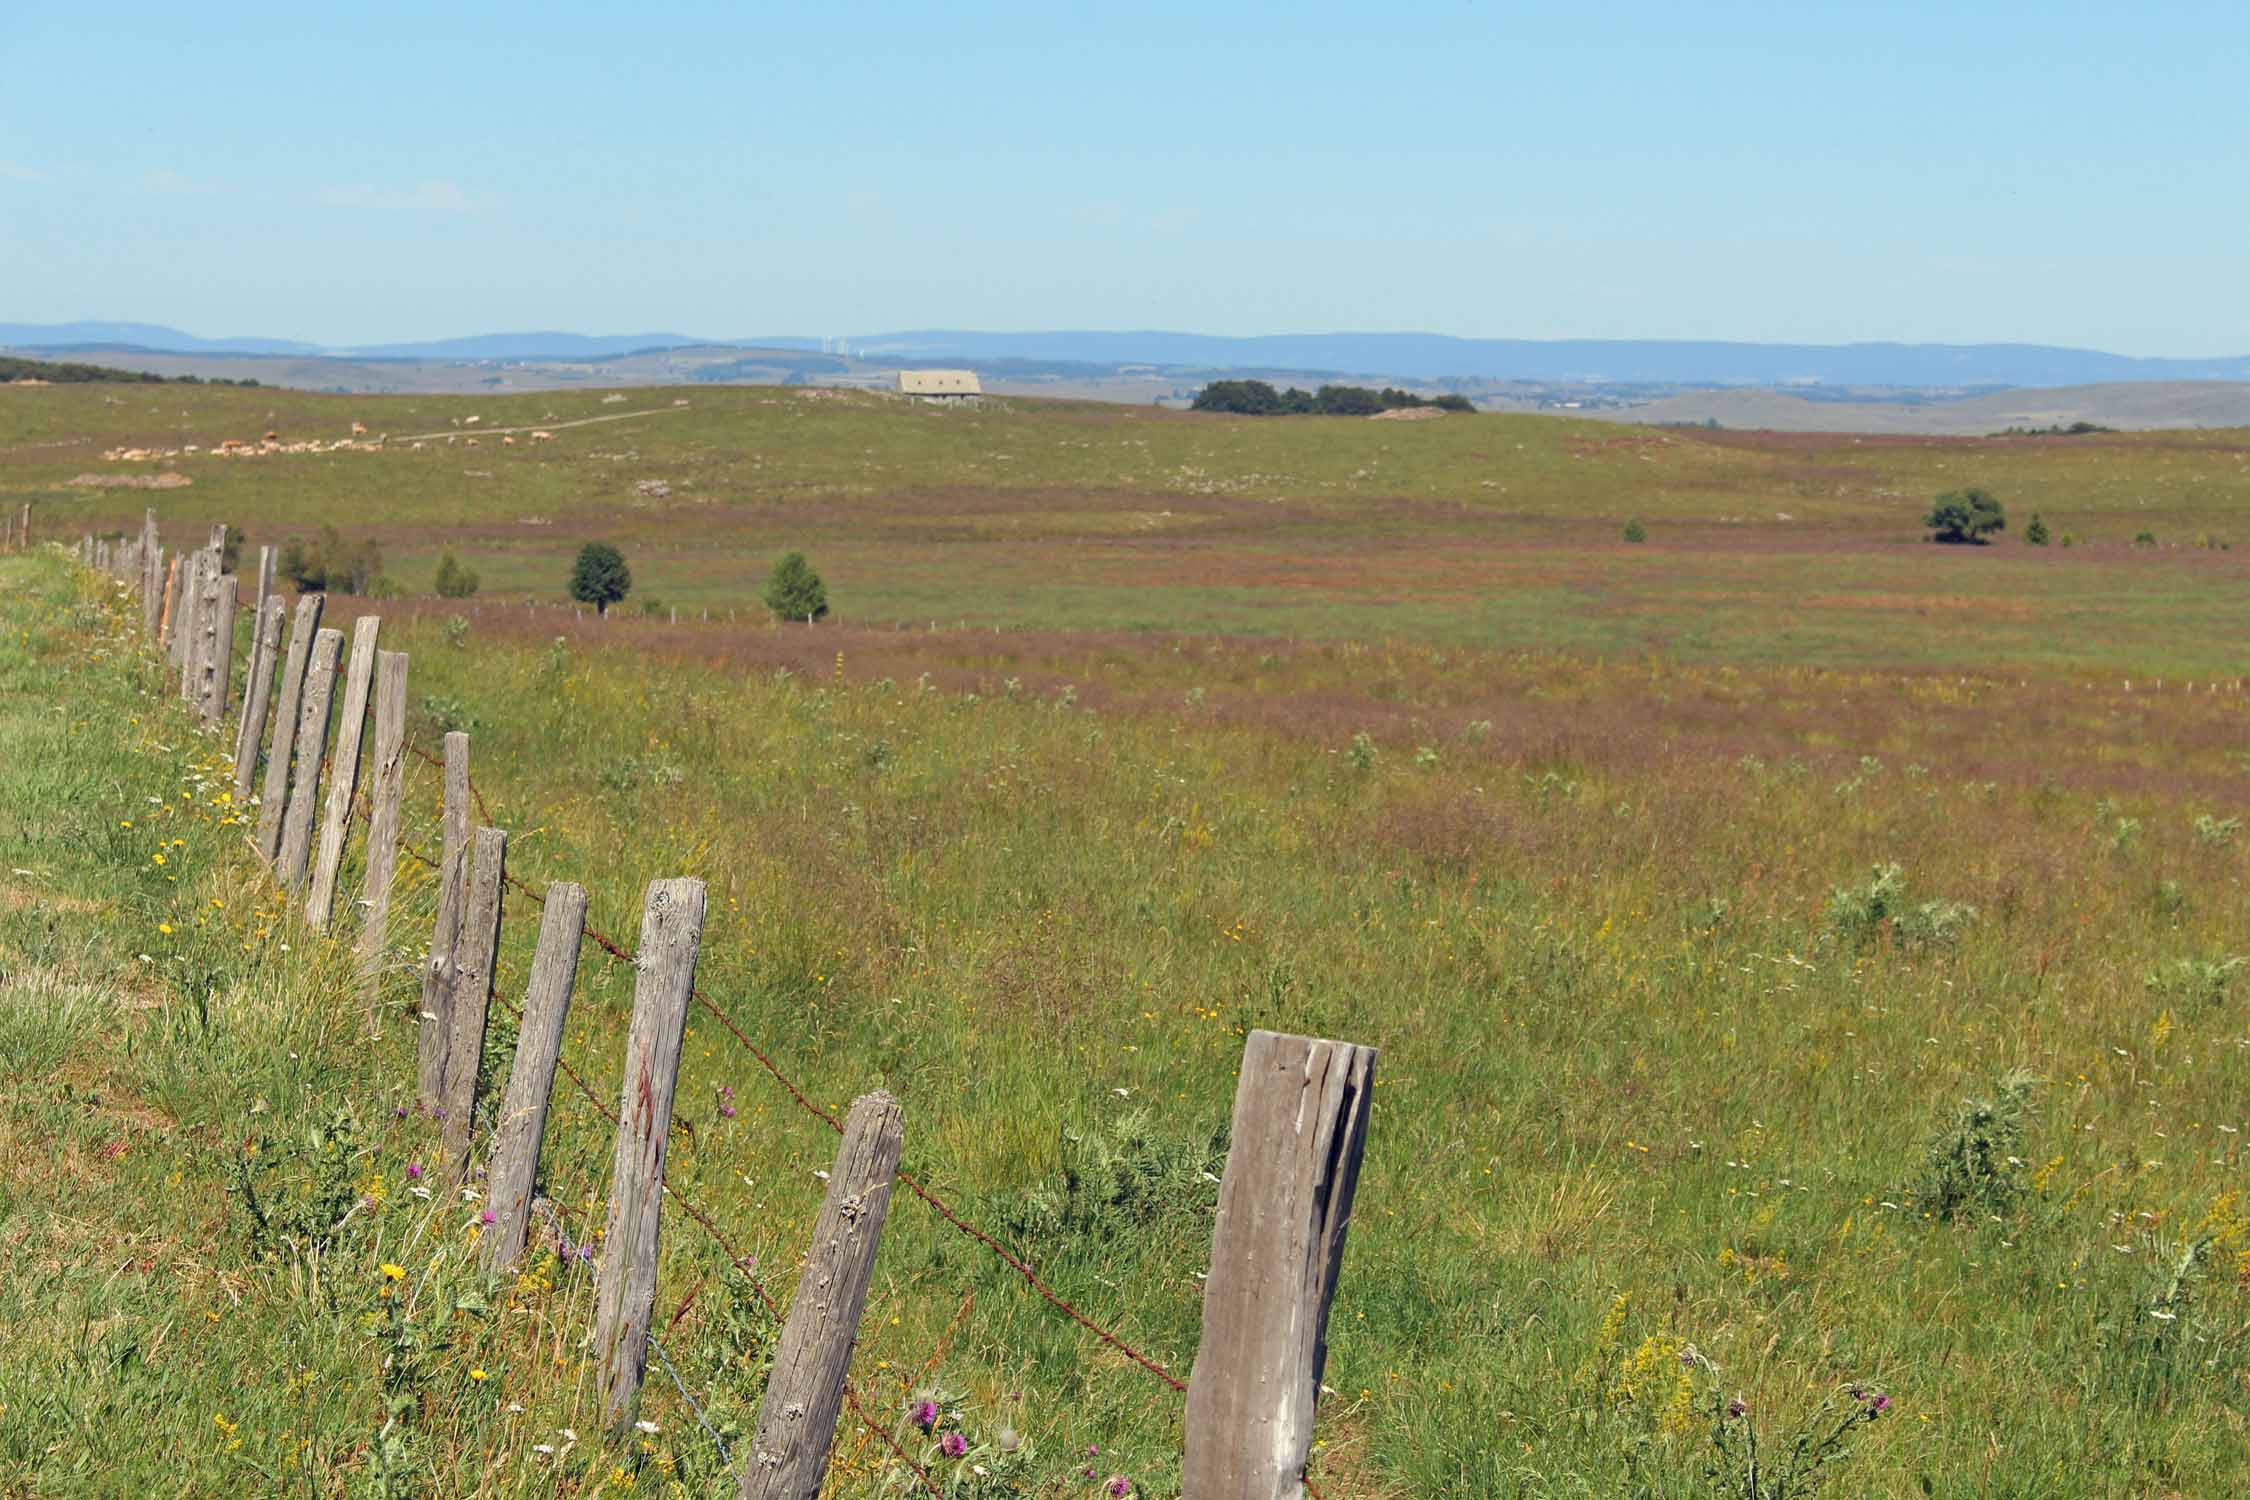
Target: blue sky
{"type": "Point", "coordinates": [2057, 173]}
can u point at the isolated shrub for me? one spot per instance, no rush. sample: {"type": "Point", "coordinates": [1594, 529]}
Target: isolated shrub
{"type": "Point", "coordinates": [383, 586]}
{"type": "Point", "coordinates": [1965, 516]}
{"type": "Point", "coordinates": [1635, 531]}
{"type": "Point", "coordinates": [600, 577]}
{"type": "Point", "coordinates": [2036, 532]}
{"type": "Point", "coordinates": [1122, 1181]}
{"type": "Point", "coordinates": [2194, 981]}
{"type": "Point", "coordinates": [2216, 833]}
{"type": "Point", "coordinates": [2144, 538]}
{"type": "Point", "coordinates": [455, 630]}
{"type": "Point", "coordinates": [453, 580]}
{"type": "Point", "coordinates": [1975, 1159]}
{"type": "Point", "coordinates": [1859, 915]}
{"type": "Point", "coordinates": [794, 591]}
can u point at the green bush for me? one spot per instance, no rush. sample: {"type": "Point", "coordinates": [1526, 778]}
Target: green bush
{"type": "Point", "coordinates": [2036, 532]}
{"type": "Point", "coordinates": [329, 563]}
{"type": "Point", "coordinates": [794, 591]}
{"type": "Point", "coordinates": [2144, 538]}
{"type": "Point", "coordinates": [1965, 517]}
{"type": "Point", "coordinates": [1121, 1181]}
{"type": "Point", "coordinates": [600, 577]}
{"type": "Point", "coordinates": [1859, 915]}
{"type": "Point", "coordinates": [1975, 1160]}
{"type": "Point", "coordinates": [1635, 531]}
{"type": "Point", "coordinates": [453, 580]}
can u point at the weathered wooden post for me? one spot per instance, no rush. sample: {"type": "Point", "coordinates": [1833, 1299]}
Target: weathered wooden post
{"type": "Point", "coordinates": [266, 561]}
{"type": "Point", "coordinates": [312, 744]}
{"type": "Point", "coordinates": [168, 618]}
{"type": "Point", "coordinates": [1300, 1126]}
{"type": "Point", "coordinates": [386, 790]}
{"type": "Point", "coordinates": [152, 589]}
{"type": "Point", "coordinates": [343, 773]}
{"type": "Point", "coordinates": [625, 1281]}
{"type": "Point", "coordinates": [473, 960]}
{"type": "Point", "coordinates": [274, 799]}
{"type": "Point", "coordinates": [789, 1459]}
{"type": "Point", "coordinates": [435, 1032]}
{"type": "Point", "coordinates": [214, 657]}
{"type": "Point", "coordinates": [184, 619]}
{"type": "Point", "coordinates": [257, 698]}
{"type": "Point", "coordinates": [512, 1164]}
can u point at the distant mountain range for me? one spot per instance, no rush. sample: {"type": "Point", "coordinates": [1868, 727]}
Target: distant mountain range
{"type": "Point", "coordinates": [1407, 356]}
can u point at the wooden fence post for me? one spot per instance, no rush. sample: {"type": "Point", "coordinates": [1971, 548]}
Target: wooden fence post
{"type": "Point", "coordinates": [167, 620]}
{"type": "Point", "coordinates": [1300, 1126]}
{"type": "Point", "coordinates": [625, 1280]}
{"type": "Point", "coordinates": [265, 575]}
{"type": "Point", "coordinates": [512, 1163]}
{"type": "Point", "coordinates": [312, 744]}
{"type": "Point", "coordinates": [797, 1423]}
{"type": "Point", "coordinates": [152, 588]}
{"type": "Point", "coordinates": [274, 799]}
{"type": "Point", "coordinates": [435, 1033]}
{"type": "Point", "coordinates": [257, 699]}
{"type": "Point", "coordinates": [343, 774]}
{"type": "Point", "coordinates": [473, 960]}
{"type": "Point", "coordinates": [183, 615]}
{"type": "Point", "coordinates": [215, 656]}
{"type": "Point", "coordinates": [386, 789]}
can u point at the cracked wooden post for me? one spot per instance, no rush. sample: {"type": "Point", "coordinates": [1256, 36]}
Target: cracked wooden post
{"type": "Point", "coordinates": [183, 616]}
{"type": "Point", "coordinates": [343, 774]}
{"type": "Point", "coordinates": [797, 1424]}
{"type": "Point", "coordinates": [266, 561]}
{"type": "Point", "coordinates": [257, 699]}
{"type": "Point", "coordinates": [214, 653]}
{"type": "Point", "coordinates": [253, 667]}
{"type": "Point", "coordinates": [625, 1280]}
{"type": "Point", "coordinates": [435, 1018]}
{"type": "Point", "coordinates": [473, 962]}
{"type": "Point", "coordinates": [386, 789]}
{"type": "Point", "coordinates": [168, 619]}
{"type": "Point", "coordinates": [274, 799]}
{"type": "Point", "coordinates": [312, 744]}
{"type": "Point", "coordinates": [1300, 1126]}
{"type": "Point", "coordinates": [512, 1164]}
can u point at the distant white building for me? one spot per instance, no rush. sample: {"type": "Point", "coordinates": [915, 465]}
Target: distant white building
{"type": "Point", "coordinates": [940, 385]}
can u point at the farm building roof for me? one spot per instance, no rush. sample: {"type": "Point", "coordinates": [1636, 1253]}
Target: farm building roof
{"type": "Point", "coordinates": [939, 383]}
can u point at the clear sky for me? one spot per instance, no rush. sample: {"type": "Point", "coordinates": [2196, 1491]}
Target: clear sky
{"type": "Point", "coordinates": [2058, 172]}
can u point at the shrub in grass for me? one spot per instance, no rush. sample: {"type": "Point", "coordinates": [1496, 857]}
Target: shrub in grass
{"type": "Point", "coordinates": [1975, 1160]}
{"type": "Point", "coordinates": [455, 630]}
{"type": "Point", "coordinates": [1859, 915]}
{"type": "Point", "coordinates": [600, 577]}
{"type": "Point", "coordinates": [2036, 532]}
{"type": "Point", "coordinates": [1124, 1180]}
{"type": "Point", "coordinates": [1965, 517]}
{"type": "Point", "coordinates": [2194, 981]}
{"type": "Point", "coordinates": [1635, 531]}
{"type": "Point", "coordinates": [453, 580]}
{"type": "Point", "coordinates": [794, 591]}
{"type": "Point", "coordinates": [2216, 833]}
{"type": "Point", "coordinates": [2144, 538]}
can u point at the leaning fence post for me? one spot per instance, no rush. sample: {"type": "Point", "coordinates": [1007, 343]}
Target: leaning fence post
{"type": "Point", "coordinates": [214, 657]}
{"type": "Point", "coordinates": [625, 1281]}
{"type": "Point", "coordinates": [257, 698]}
{"type": "Point", "coordinates": [435, 1018]}
{"type": "Point", "coordinates": [473, 960]}
{"type": "Point", "coordinates": [512, 1163]}
{"type": "Point", "coordinates": [1300, 1126]}
{"type": "Point", "coordinates": [274, 799]}
{"type": "Point", "coordinates": [343, 773]}
{"type": "Point", "coordinates": [386, 787]}
{"type": "Point", "coordinates": [797, 1423]}
{"type": "Point", "coordinates": [312, 744]}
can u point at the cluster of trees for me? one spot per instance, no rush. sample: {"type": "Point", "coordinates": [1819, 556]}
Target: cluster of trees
{"type": "Point", "coordinates": [601, 577]}
{"type": "Point", "coordinates": [328, 563]}
{"type": "Point", "coordinates": [1255, 398]}
{"type": "Point", "coordinates": [65, 373]}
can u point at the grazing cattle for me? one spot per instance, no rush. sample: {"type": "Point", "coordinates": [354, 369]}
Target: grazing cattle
{"type": "Point", "coordinates": [507, 442]}
{"type": "Point", "coordinates": [542, 437]}
{"type": "Point", "coordinates": [359, 429]}
{"type": "Point", "coordinates": [273, 437]}
{"type": "Point", "coordinates": [476, 443]}
{"type": "Point", "coordinates": [470, 421]}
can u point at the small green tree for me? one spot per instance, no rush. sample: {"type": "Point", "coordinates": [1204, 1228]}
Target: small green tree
{"type": "Point", "coordinates": [794, 591]}
{"type": "Point", "coordinates": [1635, 532]}
{"type": "Point", "coordinates": [1965, 517]}
{"type": "Point", "coordinates": [600, 577]}
{"type": "Point", "coordinates": [2036, 532]}
{"type": "Point", "coordinates": [453, 580]}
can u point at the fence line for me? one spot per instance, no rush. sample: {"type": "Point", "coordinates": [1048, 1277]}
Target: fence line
{"type": "Point", "coordinates": [1278, 1299]}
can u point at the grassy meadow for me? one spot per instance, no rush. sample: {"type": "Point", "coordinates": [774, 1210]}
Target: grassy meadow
{"type": "Point", "coordinates": [1689, 889]}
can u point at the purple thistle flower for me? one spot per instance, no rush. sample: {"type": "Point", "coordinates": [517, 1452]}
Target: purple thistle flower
{"type": "Point", "coordinates": [953, 1445]}
{"type": "Point", "coordinates": [1736, 1407]}
{"type": "Point", "coordinates": [413, 1171]}
{"type": "Point", "coordinates": [1877, 1404]}
{"type": "Point", "coordinates": [924, 1413]}
{"type": "Point", "coordinates": [487, 1217]}
{"type": "Point", "coordinates": [1119, 1486]}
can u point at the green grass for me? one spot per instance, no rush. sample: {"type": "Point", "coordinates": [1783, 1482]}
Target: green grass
{"type": "Point", "coordinates": [1594, 913]}
{"type": "Point", "coordinates": [1487, 531]}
